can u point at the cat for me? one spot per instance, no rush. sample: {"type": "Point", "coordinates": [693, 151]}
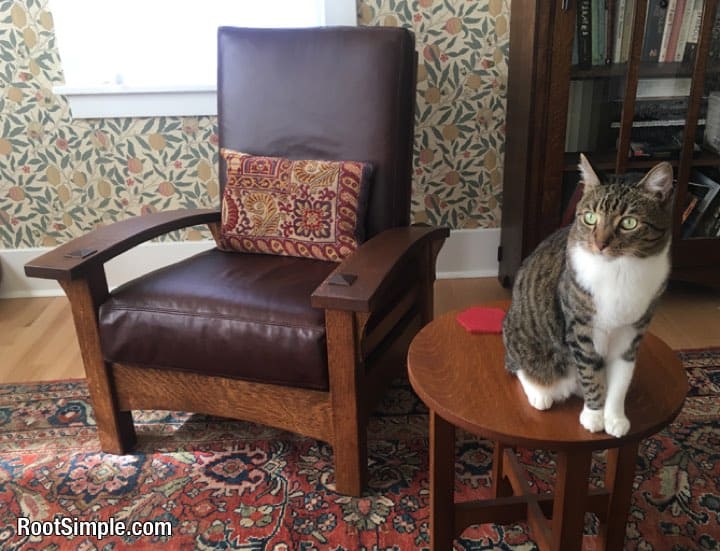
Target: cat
{"type": "Point", "coordinates": [583, 299]}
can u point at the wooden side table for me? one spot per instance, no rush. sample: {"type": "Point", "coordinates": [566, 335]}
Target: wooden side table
{"type": "Point", "coordinates": [462, 379]}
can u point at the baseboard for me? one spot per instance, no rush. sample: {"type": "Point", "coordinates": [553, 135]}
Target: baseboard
{"type": "Point", "coordinates": [129, 265]}
{"type": "Point", "coordinates": [469, 253]}
{"type": "Point", "coordinates": [466, 253]}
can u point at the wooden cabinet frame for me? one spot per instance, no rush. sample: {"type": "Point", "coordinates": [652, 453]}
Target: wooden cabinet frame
{"type": "Point", "coordinates": [540, 71]}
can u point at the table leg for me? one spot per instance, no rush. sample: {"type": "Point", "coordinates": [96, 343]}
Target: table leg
{"type": "Point", "coordinates": [571, 489]}
{"type": "Point", "coordinates": [619, 481]}
{"type": "Point", "coordinates": [499, 484]}
{"type": "Point", "coordinates": [442, 483]}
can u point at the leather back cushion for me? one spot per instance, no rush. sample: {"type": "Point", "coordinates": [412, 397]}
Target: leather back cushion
{"type": "Point", "coordinates": [337, 93]}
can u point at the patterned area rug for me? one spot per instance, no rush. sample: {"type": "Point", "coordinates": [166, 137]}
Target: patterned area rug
{"type": "Point", "coordinates": [233, 485]}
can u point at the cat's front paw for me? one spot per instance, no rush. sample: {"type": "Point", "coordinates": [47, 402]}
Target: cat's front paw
{"type": "Point", "coordinates": [592, 419]}
{"type": "Point", "coordinates": [617, 425]}
{"type": "Point", "coordinates": [539, 400]}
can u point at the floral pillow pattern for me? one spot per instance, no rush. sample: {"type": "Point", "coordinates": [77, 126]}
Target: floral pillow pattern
{"type": "Point", "coordinates": [305, 208]}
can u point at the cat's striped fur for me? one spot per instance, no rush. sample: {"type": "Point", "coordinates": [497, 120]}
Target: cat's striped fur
{"type": "Point", "coordinates": [583, 299]}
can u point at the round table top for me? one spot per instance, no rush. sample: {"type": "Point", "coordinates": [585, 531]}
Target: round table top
{"type": "Point", "coordinates": [462, 377]}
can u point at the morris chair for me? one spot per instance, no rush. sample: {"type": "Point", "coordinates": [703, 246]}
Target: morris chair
{"type": "Point", "coordinates": [301, 344]}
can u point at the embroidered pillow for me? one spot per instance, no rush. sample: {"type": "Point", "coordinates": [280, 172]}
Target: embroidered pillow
{"type": "Point", "coordinates": [307, 208]}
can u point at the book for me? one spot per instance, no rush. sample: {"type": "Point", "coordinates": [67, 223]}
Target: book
{"type": "Point", "coordinates": [597, 33]}
{"type": "Point", "coordinates": [716, 229]}
{"type": "Point", "coordinates": [594, 31]}
{"type": "Point", "coordinates": [691, 201]}
{"type": "Point", "coordinates": [664, 111]}
{"type": "Point", "coordinates": [654, 24]}
{"type": "Point", "coordinates": [663, 87]}
{"type": "Point", "coordinates": [574, 60]}
{"type": "Point", "coordinates": [675, 30]}
{"type": "Point", "coordinates": [584, 120]}
{"type": "Point", "coordinates": [711, 137]}
{"type": "Point", "coordinates": [660, 149]}
{"type": "Point", "coordinates": [706, 189]}
{"type": "Point", "coordinates": [584, 33]}
{"type": "Point", "coordinates": [714, 52]}
{"type": "Point", "coordinates": [658, 142]}
{"type": "Point", "coordinates": [667, 29]}
{"type": "Point", "coordinates": [619, 27]}
{"type": "Point", "coordinates": [572, 130]}
{"type": "Point", "coordinates": [693, 33]}
{"type": "Point", "coordinates": [685, 29]}
{"type": "Point", "coordinates": [609, 30]}
{"type": "Point", "coordinates": [708, 224]}
{"type": "Point", "coordinates": [627, 29]}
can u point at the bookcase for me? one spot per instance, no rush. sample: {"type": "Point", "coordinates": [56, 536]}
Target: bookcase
{"type": "Point", "coordinates": [629, 83]}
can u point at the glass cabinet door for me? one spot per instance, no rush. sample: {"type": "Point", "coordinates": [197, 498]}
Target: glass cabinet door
{"type": "Point", "coordinates": [645, 87]}
{"type": "Point", "coordinates": [700, 208]}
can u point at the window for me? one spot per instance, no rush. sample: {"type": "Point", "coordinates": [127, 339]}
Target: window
{"type": "Point", "coordinates": [151, 58]}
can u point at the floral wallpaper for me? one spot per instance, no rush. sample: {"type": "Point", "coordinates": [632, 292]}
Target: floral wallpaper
{"type": "Point", "coordinates": [460, 122]}
{"type": "Point", "coordinates": [61, 177]}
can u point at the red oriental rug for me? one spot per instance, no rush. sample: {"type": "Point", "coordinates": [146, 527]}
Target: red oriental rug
{"type": "Point", "coordinates": [224, 484]}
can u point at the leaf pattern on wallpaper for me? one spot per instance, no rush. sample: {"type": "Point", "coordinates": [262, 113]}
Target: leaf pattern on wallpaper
{"type": "Point", "coordinates": [460, 119]}
{"type": "Point", "coordinates": [61, 177]}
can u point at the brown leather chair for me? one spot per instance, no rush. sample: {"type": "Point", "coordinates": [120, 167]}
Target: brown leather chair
{"type": "Point", "coordinates": [301, 344]}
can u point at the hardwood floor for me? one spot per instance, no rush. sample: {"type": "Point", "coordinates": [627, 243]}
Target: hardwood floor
{"type": "Point", "coordinates": [38, 343]}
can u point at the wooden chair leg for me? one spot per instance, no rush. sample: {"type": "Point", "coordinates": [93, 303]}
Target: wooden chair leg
{"type": "Point", "coordinates": [115, 428]}
{"type": "Point", "coordinates": [442, 483]}
{"type": "Point", "coordinates": [571, 489]}
{"type": "Point", "coordinates": [349, 425]}
{"type": "Point", "coordinates": [619, 480]}
{"type": "Point", "coordinates": [117, 435]}
{"type": "Point", "coordinates": [351, 461]}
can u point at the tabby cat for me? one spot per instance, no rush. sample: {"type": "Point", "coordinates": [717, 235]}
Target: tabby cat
{"type": "Point", "coordinates": [582, 300]}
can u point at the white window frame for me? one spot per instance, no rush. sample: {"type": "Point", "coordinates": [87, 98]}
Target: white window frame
{"type": "Point", "coordinates": [122, 100]}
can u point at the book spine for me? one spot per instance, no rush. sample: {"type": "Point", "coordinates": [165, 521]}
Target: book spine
{"type": "Point", "coordinates": [653, 30]}
{"type": "Point", "coordinates": [693, 33]}
{"type": "Point", "coordinates": [712, 220]}
{"type": "Point", "coordinates": [717, 224]}
{"type": "Point", "coordinates": [667, 29]}
{"type": "Point", "coordinates": [627, 29]}
{"type": "Point", "coordinates": [609, 30]}
{"type": "Point", "coordinates": [711, 190]}
{"type": "Point", "coordinates": [675, 31]}
{"type": "Point", "coordinates": [689, 208]}
{"type": "Point", "coordinates": [584, 26]}
{"type": "Point", "coordinates": [594, 32]}
{"type": "Point", "coordinates": [573, 117]}
{"type": "Point", "coordinates": [684, 30]}
{"type": "Point", "coordinates": [619, 26]}
{"type": "Point", "coordinates": [714, 53]}
{"type": "Point", "coordinates": [601, 26]}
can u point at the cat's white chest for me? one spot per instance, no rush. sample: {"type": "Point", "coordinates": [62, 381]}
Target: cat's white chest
{"type": "Point", "coordinates": [622, 288]}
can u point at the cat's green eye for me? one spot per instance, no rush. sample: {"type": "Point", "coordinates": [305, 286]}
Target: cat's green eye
{"type": "Point", "coordinates": [590, 218]}
{"type": "Point", "coordinates": [629, 223]}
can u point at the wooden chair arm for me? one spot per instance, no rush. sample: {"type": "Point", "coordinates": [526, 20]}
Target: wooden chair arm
{"type": "Point", "coordinates": [358, 281]}
{"type": "Point", "coordinates": [82, 255]}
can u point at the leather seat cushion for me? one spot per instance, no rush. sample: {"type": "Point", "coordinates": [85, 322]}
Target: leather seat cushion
{"type": "Point", "coordinates": [245, 316]}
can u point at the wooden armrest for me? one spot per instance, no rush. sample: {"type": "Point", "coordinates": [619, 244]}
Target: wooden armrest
{"type": "Point", "coordinates": [74, 258]}
{"type": "Point", "coordinates": [355, 284]}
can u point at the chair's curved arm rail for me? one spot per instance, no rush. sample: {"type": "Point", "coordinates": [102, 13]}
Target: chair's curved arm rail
{"type": "Point", "coordinates": [372, 266]}
{"type": "Point", "coordinates": [107, 242]}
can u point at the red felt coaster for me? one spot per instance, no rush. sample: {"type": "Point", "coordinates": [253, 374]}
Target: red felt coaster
{"type": "Point", "coordinates": [481, 320]}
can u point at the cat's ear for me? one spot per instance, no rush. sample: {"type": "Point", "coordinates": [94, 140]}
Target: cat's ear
{"type": "Point", "coordinates": [659, 181]}
{"type": "Point", "coordinates": [589, 178]}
